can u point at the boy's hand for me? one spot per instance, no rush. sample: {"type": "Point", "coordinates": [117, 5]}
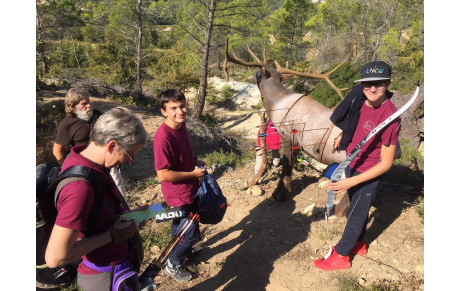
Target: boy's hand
{"type": "Point", "coordinates": [342, 185]}
{"type": "Point", "coordinates": [199, 172]}
{"type": "Point", "coordinates": [199, 163]}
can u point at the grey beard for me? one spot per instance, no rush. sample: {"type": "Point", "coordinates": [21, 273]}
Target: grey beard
{"type": "Point", "coordinates": [85, 115]}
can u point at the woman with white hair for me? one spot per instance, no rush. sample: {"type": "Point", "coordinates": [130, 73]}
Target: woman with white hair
{"type": "Point", "coordinates": [90, 230]}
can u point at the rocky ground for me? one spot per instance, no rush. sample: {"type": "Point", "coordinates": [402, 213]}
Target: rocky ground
{"type": "Point", "coordinates": [266, 245]}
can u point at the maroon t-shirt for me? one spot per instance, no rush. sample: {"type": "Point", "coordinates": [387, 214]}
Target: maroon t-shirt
{"type": "Point", "coordinates": [173, 149]}
{"type": "Point", "coordinates": [368, 120]}
{"type": "Point", "coordinates": [76, 200]}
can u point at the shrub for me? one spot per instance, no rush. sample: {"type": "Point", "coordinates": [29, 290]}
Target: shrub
{"type": "Point", "coordinates": [410, 156]}
{"type": "Point", "coordinates": [230, 159]}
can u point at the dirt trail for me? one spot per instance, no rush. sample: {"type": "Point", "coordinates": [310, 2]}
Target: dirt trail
{"type": "Point", "coordinates": [265, 245]}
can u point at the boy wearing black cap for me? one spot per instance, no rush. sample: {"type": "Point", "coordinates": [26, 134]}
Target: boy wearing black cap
{"type": "Point", "coordinates": [365, 107]}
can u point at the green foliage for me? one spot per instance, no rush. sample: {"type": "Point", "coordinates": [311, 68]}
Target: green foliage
{"type": "Point", "coordinates": [351, 284]}
{"type": "Point", "coordinates": [222, 98]}
{"type": "Point", "coordinates": [163, 12]}
{"type": "Point", "coordinates": [109, 63]}
{"type": "Point", "coordinates": [178, 68]}
{"type": "Point", "coordinates": [287, 24]}
{"type": "Point", "coordinates": [72, 287]}
{"type": "Point", "coordinates": [342, 78]}
{"type": "Point", "coordinates": [420, 207]}
{"type": "Point", "coordinates": [410, 66]}
{"type": "Point", "coordinates": [391, 46]}
{"type": "Point", "coordinates": [158, 236]}
{"type": "Point", "coordinates": [124, 100]}
{"type": "Point", "coordinates": [97, 39]}
{"type": "Point", "coordinates": [230, 159]}
{"type": "Point", "coordinates": [410, 156]}
{"type": "Point", "coordinates": [48, 116]}
{"type": "Point", "coordinates": [209, 119]}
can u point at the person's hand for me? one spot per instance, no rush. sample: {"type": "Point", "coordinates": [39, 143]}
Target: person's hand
{"type": "Point", "coordinates": [122, 230]}
{"type": "Point", "coordinates": [341, 185]}
{"type": "Point", "coordinates": [199, 172]}
{"type": "Point", "coordinates": [337, 140]}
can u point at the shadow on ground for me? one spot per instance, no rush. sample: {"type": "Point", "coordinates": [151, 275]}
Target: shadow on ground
{"type": "Point", "coordinates": [250, 265]}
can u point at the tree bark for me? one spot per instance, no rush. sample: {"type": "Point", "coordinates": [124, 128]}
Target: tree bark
{"type": "Point", "coordinates": [139, 49]}
{"type": "Point", "coordinates": [204, 63]}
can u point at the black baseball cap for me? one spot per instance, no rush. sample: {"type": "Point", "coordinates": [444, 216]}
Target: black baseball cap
{"type": "Point", "coordinates": [375, 71]}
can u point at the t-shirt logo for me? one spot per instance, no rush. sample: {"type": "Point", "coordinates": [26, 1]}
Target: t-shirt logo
{"type": "Point", "coordinates": [368, 126]}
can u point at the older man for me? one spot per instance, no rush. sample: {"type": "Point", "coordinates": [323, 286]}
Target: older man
{"type": "Point", "coordinates": [75, 128]}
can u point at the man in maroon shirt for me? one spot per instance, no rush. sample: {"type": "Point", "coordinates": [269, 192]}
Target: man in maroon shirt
{"type": "Point", "coordinates": [367, 109]}
{"type": "Point", "coordinates": [178, 172]}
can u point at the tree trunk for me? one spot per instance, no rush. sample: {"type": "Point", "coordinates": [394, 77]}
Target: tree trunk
{"type": "Point", "coordinates": [204, 64]}
{"type": "Point", "coordinates": [40, 45]}
{"type": "Point", "coordinates": [139, 49]}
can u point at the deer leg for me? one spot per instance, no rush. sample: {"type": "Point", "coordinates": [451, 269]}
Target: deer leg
{"type": "Point", "coordinates": [284, 184]}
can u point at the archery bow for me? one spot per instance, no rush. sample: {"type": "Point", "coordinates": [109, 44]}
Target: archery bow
{"type": "Point", "coordinates": [338, 173]}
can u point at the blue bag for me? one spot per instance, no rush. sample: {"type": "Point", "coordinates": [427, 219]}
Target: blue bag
{"type": "Point", "coordinates": [212, 204]}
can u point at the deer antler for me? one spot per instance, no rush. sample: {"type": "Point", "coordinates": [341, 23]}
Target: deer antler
{"type": "Point", "coordinates": [238, 61]}
{"type": "Point", "coordinates": [325, 76]}
{"type": "Point", "coordinates": [283, 71]}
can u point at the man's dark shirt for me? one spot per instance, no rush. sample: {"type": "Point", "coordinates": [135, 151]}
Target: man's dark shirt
{"type": "Point", "coordinates": [75, 131]}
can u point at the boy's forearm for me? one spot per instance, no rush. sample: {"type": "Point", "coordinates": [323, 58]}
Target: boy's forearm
{"type": "Point", "coordinates": [166, 175]}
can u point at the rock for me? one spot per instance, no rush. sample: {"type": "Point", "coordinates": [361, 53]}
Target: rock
{"type": "Point", "coordinates": [421, 148]}
{"type": "Point", "coordinates": [256, 190]}
{"type": "Point", "coordinates": [310, 210]}
{"type": "Point", "coordinates": [420, 269]}
{"type": "Point", "coordinates": [248, 191]}
{"type": "Point", "coordinates": [323, 184]}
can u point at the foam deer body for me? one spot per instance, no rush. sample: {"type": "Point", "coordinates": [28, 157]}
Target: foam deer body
{"type": "Point", "coordinates": [290, 111]}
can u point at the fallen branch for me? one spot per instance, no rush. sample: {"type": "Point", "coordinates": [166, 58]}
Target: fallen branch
{"type": "Point", "coordinates": [263, 148]}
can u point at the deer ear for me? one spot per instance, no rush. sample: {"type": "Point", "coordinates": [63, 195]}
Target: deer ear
{"type": "Point", "coordinates": [266, 72]}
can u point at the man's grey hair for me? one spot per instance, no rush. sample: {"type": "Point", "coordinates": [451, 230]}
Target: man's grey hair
{"type": "Point", "coordinates": [72, 98]}
{"type": "Point", "coordinates": [121, 125]}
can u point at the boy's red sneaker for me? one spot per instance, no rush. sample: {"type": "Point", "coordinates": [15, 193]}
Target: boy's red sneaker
{"type": "Point", "coordinates": [333, 262]}
{"type": "Point", "coordinates": [359, 249]}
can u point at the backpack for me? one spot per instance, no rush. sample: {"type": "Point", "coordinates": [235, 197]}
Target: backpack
{"type": "Point", "coordinates": [212, 204]}
{"type": "Point", "coordinates": [47, 180]}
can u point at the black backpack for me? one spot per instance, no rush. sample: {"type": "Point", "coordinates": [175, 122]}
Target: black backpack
{"type": "Point", "coordinates": [47, 180]}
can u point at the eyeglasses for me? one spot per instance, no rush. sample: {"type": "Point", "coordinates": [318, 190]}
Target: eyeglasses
{"type": "Point", "coordinates": [131, 158]}
{"type": "Point", "coordinates": [377, 84]}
